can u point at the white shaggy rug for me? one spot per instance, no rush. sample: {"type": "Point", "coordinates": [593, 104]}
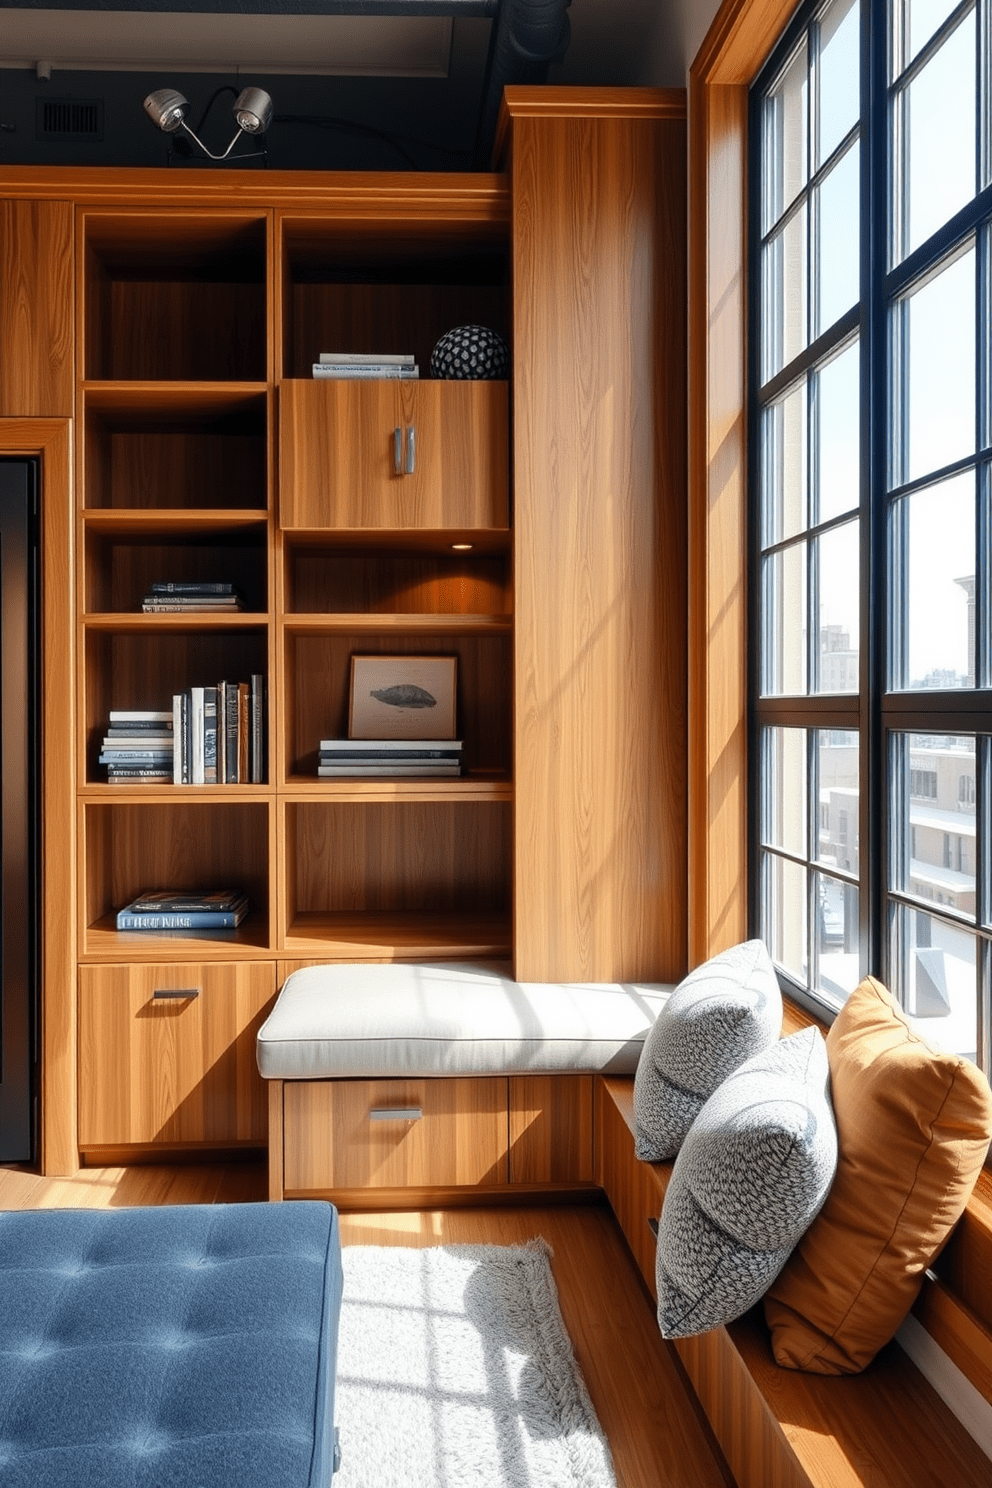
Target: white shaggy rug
{"type": "Point", "coordinates": [454, 1369]}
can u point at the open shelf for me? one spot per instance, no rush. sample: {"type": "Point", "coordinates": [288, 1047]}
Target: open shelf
{"type": "Point", "coordinates": [316, 678]}
{"type": "Point", "coordinates": [182, 448]}
{"type": "Point", "coordinates": [120, 565]}
{"type": "Point", "coordinates": [189, 844]}
{"type": "Point", "coordinates": [175, 296]}
{"type": "Point", "coordinates": [351, 288]}
{"type": "Point", "coordinates": [430, 876]}
{"type": "Point", "coordinates": [398, 582]}
{"type": "Point", "coordinates": [395, 937]}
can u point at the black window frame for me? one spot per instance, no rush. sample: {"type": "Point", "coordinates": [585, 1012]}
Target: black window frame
{"type": "Point", "coordinates": [876, 712]}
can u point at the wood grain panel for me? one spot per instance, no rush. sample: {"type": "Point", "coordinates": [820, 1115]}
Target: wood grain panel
{"type": "Point", "coordinates": [962, 1336]}
{"type": "Point", "coordinates": [551, 1129]}
{"type": "Point", "coordinates": [337, 456]}
{"type": "Point", "coordinates": [599, 461]}
{"type": "Point", "coordinates": [636, 1190]}
{"type": "Point", "coordinates": [36, 309]}
{"type": "Point", "coordinates": [965, 1264]}
{"type": "Point", "coordinates": [172, 1070]}
{"type": "Point", "coordinates": [427, 935]}
{"type": "Point", "coordinates": [332, 1142]}
{"type": "Point", "coordinates": [717, 525]}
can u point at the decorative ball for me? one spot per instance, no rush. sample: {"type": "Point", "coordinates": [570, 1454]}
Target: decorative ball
{"type": "Point", "coordinates": [470, 352]}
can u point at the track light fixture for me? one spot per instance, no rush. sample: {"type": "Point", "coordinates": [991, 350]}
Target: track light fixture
{"type": "Point", "coordinates": [167, 107]}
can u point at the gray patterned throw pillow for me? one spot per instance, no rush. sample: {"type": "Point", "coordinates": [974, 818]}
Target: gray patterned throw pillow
{"type": "Point", "coordinates": [725, 1011]}
{"type": "Point", "coordinates": [752, 1175]}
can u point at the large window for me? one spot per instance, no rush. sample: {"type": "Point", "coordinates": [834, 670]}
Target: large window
{"type": "Point", "coordinates": [871, 478]}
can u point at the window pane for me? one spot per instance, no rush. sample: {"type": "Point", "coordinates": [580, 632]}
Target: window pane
{"type": "Point", "coordinates": [935, 976]}
{"type": "Point", "coordinates": [784, 913]}
{"type": "Point", "coordinates": [784, 613]}
{"type": "Point", "coordinates": [935, 829]}
{"type": "Point", "coordinates": [784, 808]}
{"type": "Point", "coordinates": [936, 529]}
{"type": "Point", "coordinates": [938, 407]}
{"type": "Point", "coordinates": [840, 74]}
{"type": "Point", "coordinates": [837, 956]}
{"type": "Point", "coordinates": [838, 581]}
{"type": "Point", "coordinates": [786, 134]}
{"type": "Point", "coordinates": [838, 455]}
{"type": "Point", "coordinates": [938, 119]}
{"type": "Point", "coordinates": [838, 256]}
{"type": "Point", "coordinates": [838, 782]}
{"type": "Point", "coordinates": [919, 20]}
{"type": "Point", "coordinates": [785, 295]}
{"type": "Point", "coordinates": [783, 476]}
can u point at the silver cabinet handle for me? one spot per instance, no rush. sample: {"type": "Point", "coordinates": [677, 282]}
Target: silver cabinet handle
{"type": "Point", "coordinates": [398, 451]}
{"type": "Point", "coordinates": [411, 450]}
{"type": "Point", "coordinates": [175, 994]}
{"type": "Point", "coordinates": [395, 1113]}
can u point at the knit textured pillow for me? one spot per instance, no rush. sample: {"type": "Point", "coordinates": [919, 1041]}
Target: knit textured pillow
{"type": "Point", "coordinates": [723, 1013]}
{"type": "Point", "coordinates": [750, 1177]}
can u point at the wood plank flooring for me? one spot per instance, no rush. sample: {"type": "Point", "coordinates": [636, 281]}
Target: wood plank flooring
{"type": "Point", "coordinates": [657, 1434]}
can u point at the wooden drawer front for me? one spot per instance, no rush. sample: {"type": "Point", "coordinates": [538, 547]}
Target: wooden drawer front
{"type": "Point", "coordinates": [337, 454]}
{"type": "Point", "coordinates": [155, 1067]}
{"type": "Point", "coordinates": [334, 1137]}
{"type": "Point", "coordinates": [551, 1129]}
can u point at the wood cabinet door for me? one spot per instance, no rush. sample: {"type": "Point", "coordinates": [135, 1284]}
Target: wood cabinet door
{"type": "Point", "coordinates": [394, 1133]}
{"type": "Point", "coordinates": [167, 1053]}
{"type": "Point", "coordinates": [551, 1129]}
{"type": "Point", "coordinates": [393, 454]}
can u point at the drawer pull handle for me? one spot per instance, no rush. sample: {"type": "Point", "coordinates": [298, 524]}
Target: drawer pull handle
{"type": "Point", "coordinates": [653, 1226]}
{"type": "Point", "coordinates": [395, 1113]}
{"type": "Point", "coordinates": [175, 994]}
{"type": "Point", "coordinates": [398, 451]}
{"type": "Point", "coordinates": [411, 450]}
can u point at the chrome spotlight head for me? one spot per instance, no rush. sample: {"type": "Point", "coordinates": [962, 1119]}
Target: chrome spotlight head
{"type": "Point", "coordinates": [166, 108]}
{"type": "Point", "coordinates": [253, 110]}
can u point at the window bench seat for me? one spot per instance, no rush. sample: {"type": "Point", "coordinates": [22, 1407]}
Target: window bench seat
{"type": "Point", "coordinates": [440, 1083]}
{"type": "Point", "coordinates": [779, 1428]}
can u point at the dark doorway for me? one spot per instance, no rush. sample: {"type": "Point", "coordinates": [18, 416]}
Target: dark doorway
{"type": "Point", "coordinates": [19, 816]}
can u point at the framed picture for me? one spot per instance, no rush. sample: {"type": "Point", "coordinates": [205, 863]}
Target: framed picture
{"type": "Point", "coordinates": [402, 697]}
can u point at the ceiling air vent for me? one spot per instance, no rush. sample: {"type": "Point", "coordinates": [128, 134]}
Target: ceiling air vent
{"type": "Point", "coordinates": [70, 119]}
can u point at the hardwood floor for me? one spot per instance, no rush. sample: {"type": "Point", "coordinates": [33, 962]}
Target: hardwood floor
{"type": "Point", "coordinates": [656, 1431]}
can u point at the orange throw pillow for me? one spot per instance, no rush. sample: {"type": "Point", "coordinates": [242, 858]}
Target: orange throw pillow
{"type": "Point", "coordinates": [913, 1129]}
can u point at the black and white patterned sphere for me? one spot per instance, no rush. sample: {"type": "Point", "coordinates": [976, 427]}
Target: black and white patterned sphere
{"type": "Point", "coordinates": [470, 352]}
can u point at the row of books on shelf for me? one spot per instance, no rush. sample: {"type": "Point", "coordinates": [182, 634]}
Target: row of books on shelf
{"type": "Point", "coordinates": [173, 909]}
{"type": "Point", "coordinates": [178, 597]}
{"type": "Point", "coordinates": [211, 736]}
{"type": "Point", "coordinates": [358, 365]}
{"type": "Point", "coordinates": [378, 757]}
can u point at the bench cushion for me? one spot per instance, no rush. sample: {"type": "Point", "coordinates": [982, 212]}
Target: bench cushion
{"type": "Point", "coordinates": [449, 1018]}
{"type": "Point", "coordinates": [181, 1345]}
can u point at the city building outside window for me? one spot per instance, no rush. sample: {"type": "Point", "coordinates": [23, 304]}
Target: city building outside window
{"type": "Point", "coordinates": [870, 436]}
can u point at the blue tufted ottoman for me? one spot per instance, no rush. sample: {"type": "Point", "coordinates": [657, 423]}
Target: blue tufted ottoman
{"type": "Point", "coordinates": [169, 1347]}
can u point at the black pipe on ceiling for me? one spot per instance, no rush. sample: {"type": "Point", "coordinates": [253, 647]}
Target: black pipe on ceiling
{"type": "Point", "coordinates": [527, 37]}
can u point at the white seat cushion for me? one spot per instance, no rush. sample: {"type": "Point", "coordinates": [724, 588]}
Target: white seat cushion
{"type": "Point", "coordinates": [446, 1018]}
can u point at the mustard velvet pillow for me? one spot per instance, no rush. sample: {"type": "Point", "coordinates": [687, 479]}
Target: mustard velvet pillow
{"type": "Point", "coordinates": [913, 1129]}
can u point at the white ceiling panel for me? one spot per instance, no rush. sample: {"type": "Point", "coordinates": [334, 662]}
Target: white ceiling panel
{"type": "Point", "coordinates": [136, 41]}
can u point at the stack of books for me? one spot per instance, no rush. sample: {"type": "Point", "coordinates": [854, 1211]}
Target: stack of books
{"type": "Point", "coordinates": [138, 746]}
{"type": "Point", "coordinates": [219, 734]}
{"type": "Point", "coordinates": [357, 364]}
{"type": "Point", "coordinates": [173, 909]}
{"type": "Point", "coordinates": [368, 757]}
{"type": "Point", "coordinates": [178, 597]}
